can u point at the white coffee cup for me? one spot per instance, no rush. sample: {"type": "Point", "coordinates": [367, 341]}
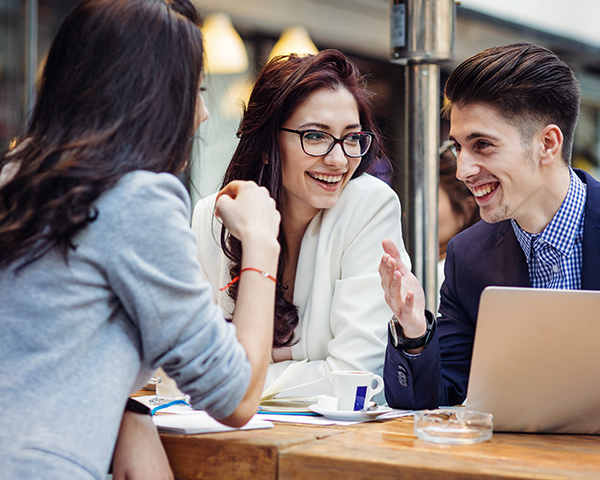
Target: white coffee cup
{"type": "Point", "coordinates": [354, 390]}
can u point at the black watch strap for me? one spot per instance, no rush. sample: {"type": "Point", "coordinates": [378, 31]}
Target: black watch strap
{"type": "Point", "coordinates": [400, 342]}
{"type": "Point", "coordinates": [137, 407]}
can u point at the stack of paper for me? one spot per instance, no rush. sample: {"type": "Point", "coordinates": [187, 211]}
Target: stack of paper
{"type": "Point", "coordinates": [184, 419]}
{"type": "Point", "coordinates": [201, 422]}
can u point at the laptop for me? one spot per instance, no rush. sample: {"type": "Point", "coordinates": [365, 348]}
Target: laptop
{"type": "Point", "coordinates": [536, 360]}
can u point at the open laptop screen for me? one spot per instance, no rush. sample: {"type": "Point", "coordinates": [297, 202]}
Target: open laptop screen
{"type": "Point", "coordinates": [536, 360]}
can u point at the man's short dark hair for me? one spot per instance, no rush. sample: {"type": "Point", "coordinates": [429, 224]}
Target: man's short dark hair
{"type": "Point", "coordinates": [528, 85]}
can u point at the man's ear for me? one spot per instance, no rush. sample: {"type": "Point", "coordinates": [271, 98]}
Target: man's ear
{"type": "Point", "coordinates": [550, 144]}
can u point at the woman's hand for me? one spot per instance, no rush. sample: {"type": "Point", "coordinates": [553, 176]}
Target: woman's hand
{"type": "Point", "coordinates": [403, 292]}
{"type": "Point", "coordinates": [250, 215]}
{"type": "Point", "coordinates": [139, 454]}
{"type": "Point", "coordinates": [248, 211]}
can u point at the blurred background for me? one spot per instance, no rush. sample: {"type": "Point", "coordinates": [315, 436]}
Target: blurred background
{"type": "Point", "coordinates": [241, 36]}
{"type": "Point", "coordinates": [360, 28]}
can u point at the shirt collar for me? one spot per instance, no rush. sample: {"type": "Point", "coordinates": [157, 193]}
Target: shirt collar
{"type": "Point", "coordinates": [564, 226]}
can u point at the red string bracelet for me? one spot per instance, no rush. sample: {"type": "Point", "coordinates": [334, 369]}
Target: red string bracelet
{"type": "Point", "coordinates": [264, 273]}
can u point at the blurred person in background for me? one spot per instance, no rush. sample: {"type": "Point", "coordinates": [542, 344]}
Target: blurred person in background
{"type": "Point", "coordinates": [457, 208]}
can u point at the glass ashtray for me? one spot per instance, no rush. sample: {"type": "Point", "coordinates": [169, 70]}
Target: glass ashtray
{"type": "Point", "coordinates": [456, 427]}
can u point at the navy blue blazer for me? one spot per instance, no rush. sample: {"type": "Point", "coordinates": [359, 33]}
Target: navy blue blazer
{"type": "Point", "coordinates": [483, 255]}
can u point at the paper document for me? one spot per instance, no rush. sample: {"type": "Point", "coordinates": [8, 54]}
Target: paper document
{"type": "Point", "coordinates": [272, 401]}
{"type": "Point", "coordinates": [302, 419]}
{"type": "Point", "coordinates": [319, 420]}
{"type": "Point", "coordinates": [185, 419]}
{"type": "Point", "coordinates": [201, 423]}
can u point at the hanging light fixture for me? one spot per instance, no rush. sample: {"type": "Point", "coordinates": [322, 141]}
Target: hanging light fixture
{"type": "Point", "coordinates": [235, 98]}
{"type": "Point", "coordinates": [225, 49]}
{"type": "Point", "coordinates": [294, 39]}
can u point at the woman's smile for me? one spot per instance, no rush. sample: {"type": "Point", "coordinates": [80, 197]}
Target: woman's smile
{"type": "Point", "coordinates": [311, 183]}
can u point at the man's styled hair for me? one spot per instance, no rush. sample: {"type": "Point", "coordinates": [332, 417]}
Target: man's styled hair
{"type": "Point", "coordinates": [528, 85]}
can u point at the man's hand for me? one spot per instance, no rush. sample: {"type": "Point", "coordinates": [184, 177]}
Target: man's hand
{"type": "Point", "coordinates": [403, 292]}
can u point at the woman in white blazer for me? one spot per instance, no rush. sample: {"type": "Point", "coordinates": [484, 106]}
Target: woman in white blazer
{"type": "Point", "coordinates": [308, 136]}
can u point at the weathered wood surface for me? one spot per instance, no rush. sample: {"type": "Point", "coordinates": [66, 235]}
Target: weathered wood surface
{"type": "Point", "coordinates": [382, 450]}
{"type": "Point", "coordinates": [249, 454]}
{"type": "Point", "coordinates": [389, 450]}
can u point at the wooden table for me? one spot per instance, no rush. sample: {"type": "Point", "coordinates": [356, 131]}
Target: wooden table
{"type": "Point", "coordinates": [377, 450]}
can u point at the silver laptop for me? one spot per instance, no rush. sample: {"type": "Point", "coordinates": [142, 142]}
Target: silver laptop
{"type": "Point", "coordinates": [536, 360]}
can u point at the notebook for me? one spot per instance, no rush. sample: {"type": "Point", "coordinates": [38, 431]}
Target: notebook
{"type": "Point", "coordinates": [536, 360]}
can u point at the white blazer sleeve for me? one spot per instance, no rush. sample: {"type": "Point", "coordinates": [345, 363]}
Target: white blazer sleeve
{"type": "Point", "coordinates": [213, 263]}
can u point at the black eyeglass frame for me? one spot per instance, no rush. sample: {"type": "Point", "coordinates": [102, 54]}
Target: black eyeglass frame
{"type": "Point", "coordinates": [301, 133]}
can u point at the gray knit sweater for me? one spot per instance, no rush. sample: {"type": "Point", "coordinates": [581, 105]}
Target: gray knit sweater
{"type": "Point", "coordinates": [77, 338]}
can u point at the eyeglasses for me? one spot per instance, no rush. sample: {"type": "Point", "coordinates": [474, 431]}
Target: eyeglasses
{"type": "Point", "coordinates": [448, 146]}
{"type": "Point", "coordinates": [317, 143]}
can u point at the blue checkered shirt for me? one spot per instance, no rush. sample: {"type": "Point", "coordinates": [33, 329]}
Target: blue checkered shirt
{"type": "Point", "coordinates": [554, 257]}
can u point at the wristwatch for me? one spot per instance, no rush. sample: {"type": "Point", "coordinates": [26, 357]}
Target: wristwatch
{"type": "Point", "coordinates": [400, 342]}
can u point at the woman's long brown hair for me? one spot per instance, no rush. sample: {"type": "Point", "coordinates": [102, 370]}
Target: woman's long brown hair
{"type": "Point", "coordinates": [117, 94]}
{"type": "Point", "coordinates": [281, 87]}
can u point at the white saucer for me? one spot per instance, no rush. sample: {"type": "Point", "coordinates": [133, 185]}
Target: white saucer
{"type": "Point", "coordinates": [349, 416]}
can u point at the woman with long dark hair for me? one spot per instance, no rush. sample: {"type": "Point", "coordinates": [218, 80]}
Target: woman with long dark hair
{"type": "Point", "coordinates": [99, 281]}
{"type": "Point", "coordinates": [308, 136]}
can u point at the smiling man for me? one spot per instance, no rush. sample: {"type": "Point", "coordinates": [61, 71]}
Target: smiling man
{"type": "Point", "coordinates": [513, 111]}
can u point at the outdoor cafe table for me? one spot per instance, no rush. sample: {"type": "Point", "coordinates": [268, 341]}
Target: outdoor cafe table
{"type": "Point", "coordinates": [377, 450]}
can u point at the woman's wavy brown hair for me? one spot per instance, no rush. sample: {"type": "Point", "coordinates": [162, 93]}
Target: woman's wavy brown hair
{"type": "Point", "coordinates": [284, 84]}
{"type": "Point", "coordinates": [118, 93]}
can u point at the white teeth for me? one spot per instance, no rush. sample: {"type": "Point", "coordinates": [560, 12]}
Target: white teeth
{"type": "Point", "coordinates": [326, 178]}
{"type": "Point", "coordinates": [480, 192]}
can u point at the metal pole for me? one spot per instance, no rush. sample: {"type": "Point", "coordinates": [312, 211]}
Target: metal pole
{"type": "Point", "coordinates": [422, 38]}
{"type": "Point", "coordinates": [31, 54]}
{"type": "Point", "coordinates": [421, 174]}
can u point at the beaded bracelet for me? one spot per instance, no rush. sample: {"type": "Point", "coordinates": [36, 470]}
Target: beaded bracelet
{"type": "Point", "coordinates": [264, 273]}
